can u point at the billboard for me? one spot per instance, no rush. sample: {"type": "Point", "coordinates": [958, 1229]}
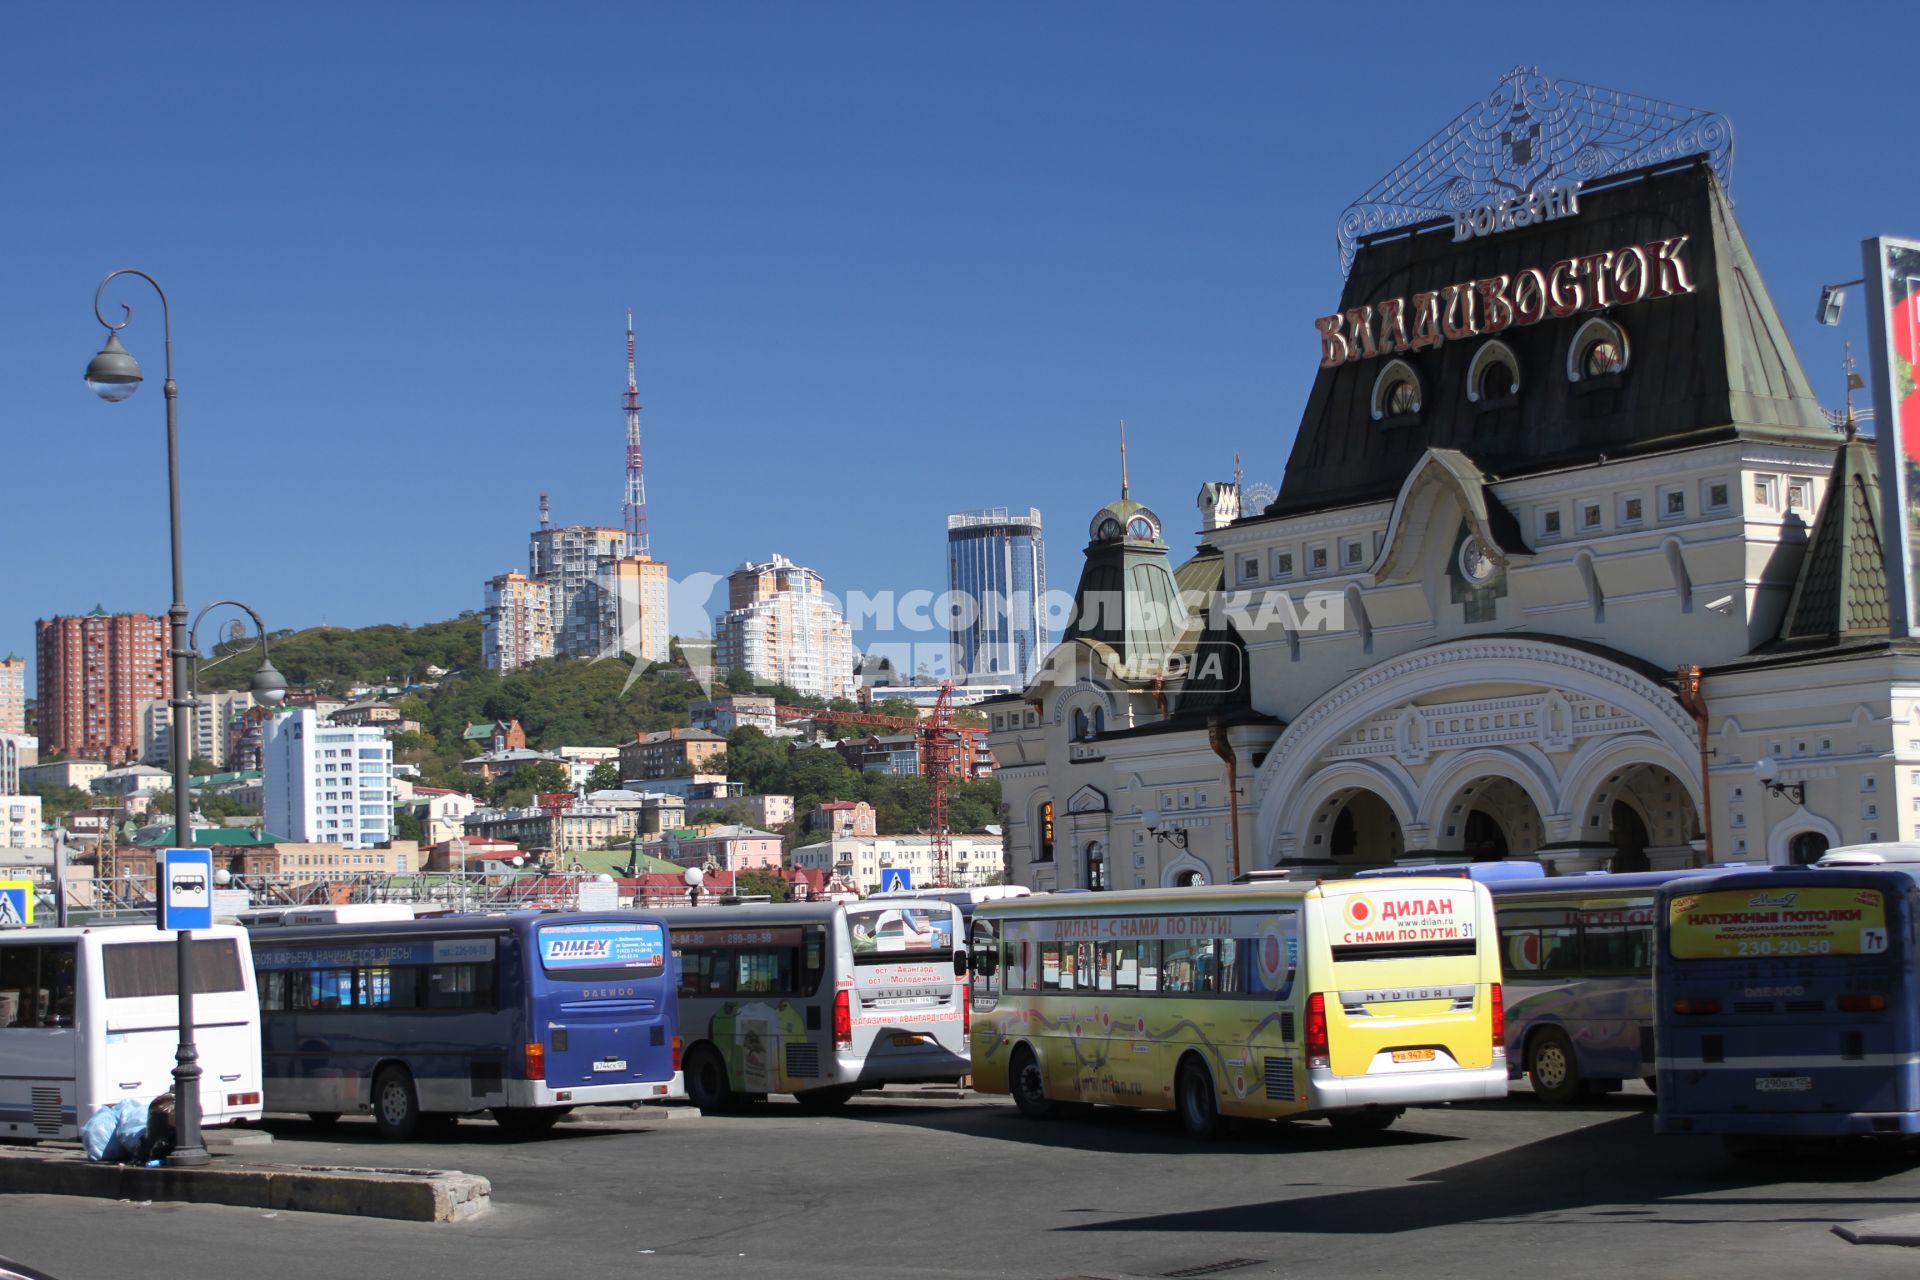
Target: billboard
{"type": "Point", "coordinates": [1892, 271]}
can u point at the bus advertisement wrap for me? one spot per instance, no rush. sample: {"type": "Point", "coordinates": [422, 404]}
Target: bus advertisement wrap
{"type": "Point", "coordinates": [1738, 923]}
{"type": "Point", "coordinates": [603, 946]}
{"type": "Point", "coordinates": [1422, 915]}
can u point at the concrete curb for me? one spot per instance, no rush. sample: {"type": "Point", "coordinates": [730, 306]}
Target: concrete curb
{"type": "Point", "coordinates": [1901, 1230]}
{"type": "Point", "coordinates": [409, 1195]}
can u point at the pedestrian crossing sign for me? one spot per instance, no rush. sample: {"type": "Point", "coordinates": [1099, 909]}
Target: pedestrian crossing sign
{"type": "Point", "coordinates": [16, 903]}
{"type": "Point", "coordinates": [896, 879]}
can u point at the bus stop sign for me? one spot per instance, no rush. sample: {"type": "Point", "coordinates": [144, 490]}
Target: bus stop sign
{"type": "Point", "coordinates": [186, 889]}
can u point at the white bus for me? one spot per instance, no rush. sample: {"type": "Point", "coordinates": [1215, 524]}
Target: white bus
{"type": "Point", "coordinates": [323, 913]}
{"type": "Point", "coordinates": [819, 999]}
{"type": "Point", "coordinates": [90, 1016]}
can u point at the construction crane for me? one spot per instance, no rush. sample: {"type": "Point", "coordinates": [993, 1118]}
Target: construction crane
{"type": "Point", "coordinates": [944, 748]}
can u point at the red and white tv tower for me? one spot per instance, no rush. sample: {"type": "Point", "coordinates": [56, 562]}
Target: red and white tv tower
{"type": "Point", "coordinates": [636, 508]}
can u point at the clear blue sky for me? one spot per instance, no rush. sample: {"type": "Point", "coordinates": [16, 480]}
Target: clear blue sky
{"type": "Point", "coordinates": [886, 261]}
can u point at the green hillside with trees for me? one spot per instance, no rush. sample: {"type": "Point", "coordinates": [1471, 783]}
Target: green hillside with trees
{"type": "Point", "coordinates": [574, 702]}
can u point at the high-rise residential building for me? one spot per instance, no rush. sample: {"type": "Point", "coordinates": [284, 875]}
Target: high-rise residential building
{"type": "Point", "coordinates": [781, 627]}
{"type": "Point", "coordinates": [997, 561]}
{"type": "Point", "coordinates": [326, 784]}
{"type": "Point", "coordinates": [517, 628]}
{"type": "Point", "coordinates": [218, 719]}
{"type": "Point", "coordinates": [632, 594]}
{"type": "Point", "coordinates": [568, 560]}
{"type": "Point", "coordinates": [13, 694]}
{"type": "Point", "coordinates": [93, 674]}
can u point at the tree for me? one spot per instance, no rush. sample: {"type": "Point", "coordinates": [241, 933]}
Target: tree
{"type": "Point", "coordinates": [817, 774]}
{"type": "Point", "coordinates": [739, 682]}
{"type": "Point", "coordinates": [738, 815]}
{"type": "Point", "coordinates": [542, 775]}
{"type": "Point", "coordinates": [755, 759]}
{"type": "Point", "coordinates": [767, 882]}
{"type": "Point", "coordinates": [200, 767]}
{"type": "Point", "coordinates": [407, 826]}
{"type": "Point", "coordinates": [605, 776]}
{"type": "Point", "coordinates": [57, 801]}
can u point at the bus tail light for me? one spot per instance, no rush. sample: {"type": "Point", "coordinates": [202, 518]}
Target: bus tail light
{"type": "Point", "coordinates": [843, 1019]}
{"type": "Point", "coordinates": [966, 1012]}
{"type": "Point", "coordinates": [243, 1099]}
{"type": "Point", "coordinates": [1862, 1004]}
{"type": "Point", "coordinates": [1317, 1052]}
{"type": "Point", "coordinates": [1696, 1004]}
{"type": "Point", "coordinates": [676, 1053]}
{"type": "Point", "coordinates": [1498, 1002]}
{"type": "Point", "coordinates": [536, 1061]}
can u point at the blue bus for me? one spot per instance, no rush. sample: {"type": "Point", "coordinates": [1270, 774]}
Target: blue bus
{"type": "Point", "coordinates": [418, 1022]}
{"type": "Point", "coordinates": [1787, 1004]}
{"type": "Point", "coordinates": [1577, 953]}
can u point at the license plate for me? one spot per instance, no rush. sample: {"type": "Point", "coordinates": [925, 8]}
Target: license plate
{"type": "Point", "coordinates": [611, 1064]}
{"type": "Point", "coordinates": [904, 1041]}
{"type": "Point", "coordinates": [1413, 1055]}
{"type": "Point", "coordinates": [1783, 1084]}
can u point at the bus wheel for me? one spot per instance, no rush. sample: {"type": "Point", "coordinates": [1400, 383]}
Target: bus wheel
{"type": "Point", "coordinates": [1198, 1105]}
{"type": "Point", "coordinates": [528, 1122]}
{"type": "Point", "coordinates": [1554, 1070]}
{"type": "Point", "coordinates": [828, 1099]}
{"type": "Point", "coordinates": [323, 1118]}
{"type": "Point", "coordinates": [396, 1108]}
{"type": "Point", "coordinates": [1354, 1123]}
{"type": "Point", "coordinates": [706, 1077]}
{"type": "Point", "coordinates": [1028, 1086]}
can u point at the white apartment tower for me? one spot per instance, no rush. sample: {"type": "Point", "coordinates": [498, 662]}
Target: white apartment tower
{"type": "Point", "coordinates": [327, 784]}
{"type": "Point", "coordinates": [781, 627]}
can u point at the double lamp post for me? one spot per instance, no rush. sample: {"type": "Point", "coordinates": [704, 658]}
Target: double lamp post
{"type": "Point", "coordinates": [113, 375]}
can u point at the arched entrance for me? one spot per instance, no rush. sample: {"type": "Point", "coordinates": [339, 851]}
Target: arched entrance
{"type": "Point", "coordinates": [1645, 813]}
{"type": "Point", "coordinates": [1490, 818]}
{"type": "Point", "coordinates": [1355, 825]}
{"type": "Point", "coordinates": [1629, 837]}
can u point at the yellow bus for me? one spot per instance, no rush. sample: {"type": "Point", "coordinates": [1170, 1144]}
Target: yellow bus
{"type": "Point", "coordinates": [1351, 1000]}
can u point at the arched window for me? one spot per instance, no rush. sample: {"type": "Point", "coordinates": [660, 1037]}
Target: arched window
{"type": "Point", "coordinates": [1079, 725]}
{"type": "Point", "coordinates": [1494, 375]}
{"type": "Point", "coordinates": [1396, 392]}
{"type": "Point", "coordinates": [1096, 866]}
{"type": "Point", "coordinates": [1044, 845]}
{"type": "Point", "coordinates": [1099, 721]}
{"type": "Point", "coordinates": [1806, 848]}
{"type": "Point", "coordinates": [1599, 350]}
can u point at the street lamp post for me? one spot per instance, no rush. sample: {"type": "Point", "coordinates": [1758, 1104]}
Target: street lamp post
{"type": "Point", "coordinates": [113, 375]}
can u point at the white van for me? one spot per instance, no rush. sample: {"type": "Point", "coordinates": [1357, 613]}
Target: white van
{"type": "Point", "coordinates": [90, 1016]}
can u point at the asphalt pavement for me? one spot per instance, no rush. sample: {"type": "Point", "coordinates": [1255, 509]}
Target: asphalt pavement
{"type": "Point", "coordinates": [950, 1187]}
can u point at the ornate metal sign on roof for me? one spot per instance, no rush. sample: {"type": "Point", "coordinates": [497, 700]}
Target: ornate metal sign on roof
{"type": "Point", "coordinates": [1519, 155]}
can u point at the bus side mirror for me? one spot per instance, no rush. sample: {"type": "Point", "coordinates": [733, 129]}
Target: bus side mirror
{"type": "Point", "coordinates": [959, 963]}
{"type": "Point", "coordinates": [986, 963]}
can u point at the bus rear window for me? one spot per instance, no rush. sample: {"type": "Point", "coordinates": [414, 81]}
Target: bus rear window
{"type": "Point", "coordinates": [601, 951]}
{"type": "Point", "coordinates": [883, 933]}
{"type": "Point", "coordinates": [1798, 921]}
{"type": "Point", "coordinates": [137, 969]}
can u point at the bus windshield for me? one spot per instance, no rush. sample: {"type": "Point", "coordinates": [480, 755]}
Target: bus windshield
{"type": "Point", "coordinates": [1795, 921]}
{"type": "Point", "coordinates": [882, 933]}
